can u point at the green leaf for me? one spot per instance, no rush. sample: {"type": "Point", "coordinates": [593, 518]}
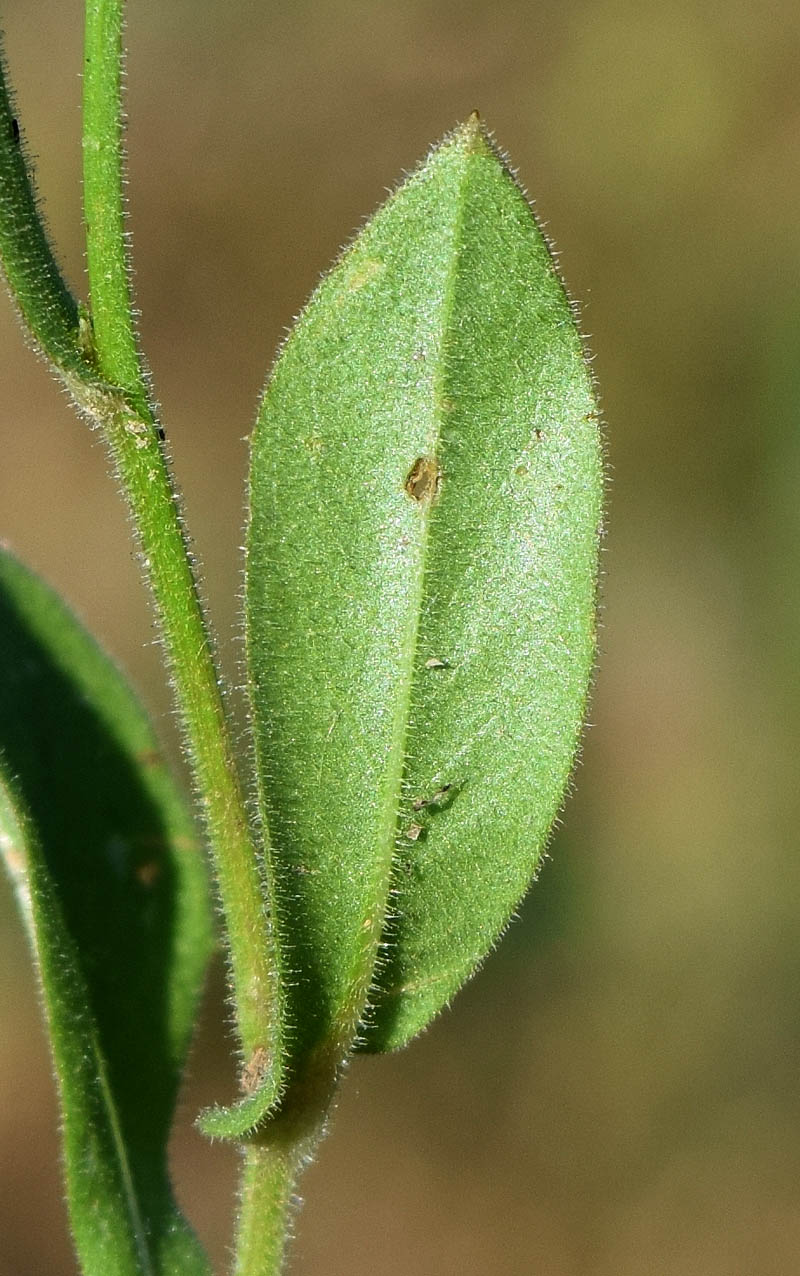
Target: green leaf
{"type": "Point", "coordinates": [425, 508]}
{"type": "Point", "coordinates": [112, 885]}
{"type": "Point", "coordinates": [28, 262]}
{"type": "Point", "coordinates": [243, 1117]}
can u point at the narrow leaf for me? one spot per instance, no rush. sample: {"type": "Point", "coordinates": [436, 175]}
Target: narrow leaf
{"type": "Point", "coordinates": [26, 256]}
{"type": "Point", "coordinates": [425, 503]}
{"type": "Point", "coordinates": [112, 886]}
{"type": "Point", "coordinates": [262, 1082]}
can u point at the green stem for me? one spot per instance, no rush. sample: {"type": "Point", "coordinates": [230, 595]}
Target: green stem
{"type": "Point", "coordinates": [113, 330]}
{"type": "Point", "coordinates": [263, 1227]}
{"type": "Point", "coordinates": [135, 440]}
{"type": "Point", "coordinates": [140, 465]}
{"type": "Point", "coordinates": [273, 1160]}
{"type": "Point", "coordinates": [102, 370]}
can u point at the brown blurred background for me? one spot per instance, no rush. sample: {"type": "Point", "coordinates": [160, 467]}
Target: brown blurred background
{"type": "Point", "coordinates": [617, 1092]}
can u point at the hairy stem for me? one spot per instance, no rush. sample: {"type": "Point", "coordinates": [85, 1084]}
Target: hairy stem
{"type": "Point", "coordinates": [263, 1227]}
{"type": "Point", "coordinates": [100, 364]}
{"type": "Point", "coordinates": [113, 330]}
{"type": "Point", "coordinates": [136, 443]}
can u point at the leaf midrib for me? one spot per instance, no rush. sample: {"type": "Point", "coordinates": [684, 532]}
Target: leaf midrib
{"type": "Point", "coordinates": [362, 972]}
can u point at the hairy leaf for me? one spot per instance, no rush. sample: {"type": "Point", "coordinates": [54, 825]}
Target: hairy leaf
{"type": "Point", "coordinates": [425, 504]}
{"type": "Point", "coordinates": [111, 882]}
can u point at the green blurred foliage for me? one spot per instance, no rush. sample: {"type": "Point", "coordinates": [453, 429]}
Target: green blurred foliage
{"type": "Point", "coordinates": [616, 1093]}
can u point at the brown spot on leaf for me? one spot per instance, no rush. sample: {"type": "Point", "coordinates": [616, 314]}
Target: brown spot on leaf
{"type": "Point", "coordinates": [254, 1071]}
{"type": "Point", "coordinates": [439, 796]}
{"type": "Point", "coordinates": [424, 479]}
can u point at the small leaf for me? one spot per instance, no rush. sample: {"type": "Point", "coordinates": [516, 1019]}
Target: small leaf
{"type": "Point", "coordinates": [112, 885]}
{"type": "Point", "coordinates": [242, 1118]}
{"type": "Point", "coordinates": [425, 504]}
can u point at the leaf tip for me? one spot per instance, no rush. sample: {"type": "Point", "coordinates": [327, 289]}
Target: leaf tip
{"type": "Point", "coordinates": [473, 134]}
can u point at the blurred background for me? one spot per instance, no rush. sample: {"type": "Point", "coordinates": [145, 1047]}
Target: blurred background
{"type": "Point", "coordinates": [617, 1092]}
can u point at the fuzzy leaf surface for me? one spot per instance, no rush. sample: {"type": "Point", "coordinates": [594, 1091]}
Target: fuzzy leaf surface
{"type": "Point", "coordinates": [110, 880]}
{"type": "Point", "coordinates": [425, 499]}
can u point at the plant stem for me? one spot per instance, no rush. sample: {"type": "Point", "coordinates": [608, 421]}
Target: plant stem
{"type": "Point", "coordinates": [104, 374]}
{"type": "Point", "coordinates": [273, 1160]}
{"type": "Point", "coordinates": [135, 440]}
{"type": "Point", "coordinates": [111, 303]}
{"type": "Point", "coordinates": [266, 1194]}
{"type": "Point", "coordinates": [99, 362]}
